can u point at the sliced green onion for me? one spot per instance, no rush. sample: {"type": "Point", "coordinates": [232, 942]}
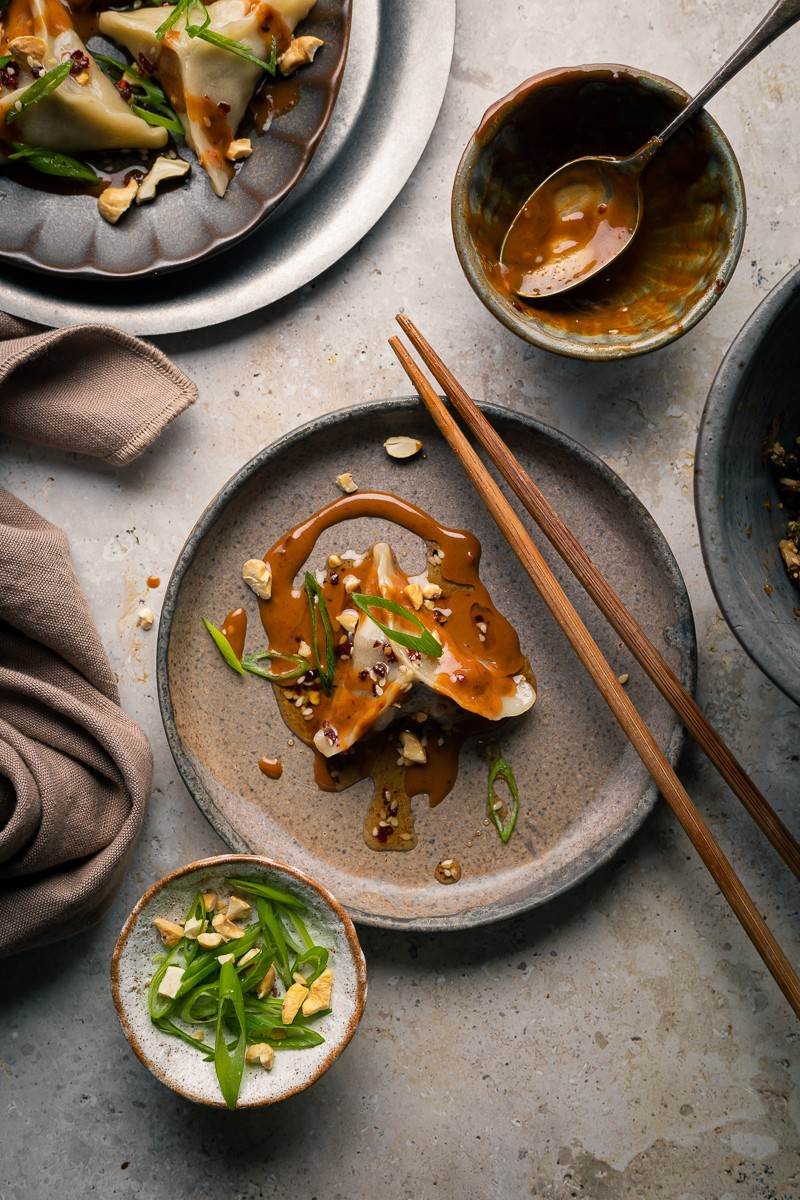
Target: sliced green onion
{"type": "Point", "coordinates": [272, 926]}
{"type": "Point", "coordinates": [501, 770]}
{"type": "Point", "coordinates": [424, 642]}
{"type": "Point", "coordinates": [224, 646]}
{"type": "Point", "coordinates": [167, 1026]}
{"type": "Point", "coordinates": [178, 11]}
{"type": "Point", "coordinates": [315, 957]}
{"type": "Point", "coordinates": [154, 118]}
{"type": "Point", "coordinates": [317, 605]}
{"type": "Point", "coordinates": [180, 955]}
{"type": "Point", "coordinates": [39, 90]}
{"type": "Point", "coordinates": [299, 925]}
{"type": "Point", "coordinates": [5, 59]}
{"type": "Point", "coordinates": [268, 893]}
{"type": "Point", "coordinates": [233, 47]}
{"type": "Point", "coordinates": [229, 1063]}
{"type": "Point", "coordinates": [50, 162]}
{"type": "Point", "coordinates": [250, 661]}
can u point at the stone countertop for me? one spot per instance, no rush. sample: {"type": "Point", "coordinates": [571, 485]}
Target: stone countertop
{"type": "Point", "coordinates": [624, 1040]}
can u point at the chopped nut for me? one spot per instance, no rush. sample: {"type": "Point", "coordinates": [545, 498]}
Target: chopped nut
{"type": "Point", "coordinates": [267, 984]}
{"type": "Point", "coordinates": [319, 995]}
{"type": "Point", "coordinates": [171, 932]}
{"type": "Point", "coordinates": [258, 577]}
{"type": "Point", "coordinates": [193, 928]}
{"type": "Point", "coordinates": [145, 618]}
{"type": "Point", "coordinates": [412, 748]}
{"type": "Point", "coordinates": [348, 619]}
{"type": "Point", "coordinates": [414, 593]}
{"type": "Point", "coordinates": [114, 202]}
{"type": "Point", "coordinates": [301, 50]}
{"type": "Point", "coordinates": [402, 447]}
{"type": "Point", "coordinates": [237, 907]}
{"type": "Point", "coordinates": [260, 1052]}
{"type": "Point", "coordinates": [209, 901]}
{"type": "Point", "coordinates": [238, 149]}
{"type": "Point", "coordinates": [226, 927]}
{"type": "Point", "coordinates": [431, 591]}
{"type": "Point", "coordinates": [334, 561]}
{"type": "Point", "coordinates": [448, 870]}
{"type": "Point", "coordinates": [347, 483]}
{"type": "Point", "coordinates": [162, 169]}
{"type": "Point", "coordinates": [351, 582]}
{"type": "Point", "coordinates": [82, 78]}
{"type": "Point", "coordinates": [299, 977]}
{"type": "Point", "coordinates": [173, 977]}
{"type": "Point", "coordinates": [210, 941]}
{"type": "Point", "coordinates": [623, 678]}
{"type": "Point", "coordinates": [251, 954]}
{"type": "Point", "coordinates": [292, 1002]}
{"type": "Point", "coordinates": [791, 557]}
{"type": "Point", "coordinates": [304, 650]}
{"type": "Point", "coordinates": [226, 958]}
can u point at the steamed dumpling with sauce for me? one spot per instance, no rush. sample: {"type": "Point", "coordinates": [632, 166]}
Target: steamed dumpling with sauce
{"type": "Point", "coordinates": [209, 87]}
{"type": "Point", "coordinates": [86, 112]}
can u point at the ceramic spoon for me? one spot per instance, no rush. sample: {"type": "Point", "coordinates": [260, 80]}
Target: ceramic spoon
{"type": "Point", "coordinates": [586, 213]}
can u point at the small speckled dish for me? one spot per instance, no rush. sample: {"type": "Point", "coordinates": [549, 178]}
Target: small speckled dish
{"type": "Point", "coordinates": [184, 1069]}
{"type": "Point", "coordinates": [694, 209]}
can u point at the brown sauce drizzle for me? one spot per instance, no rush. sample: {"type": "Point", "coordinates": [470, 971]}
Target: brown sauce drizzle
{"type": "Point", "coordinates": [480, 666]}
{"type": "Point", "coordinates": [235, 629]}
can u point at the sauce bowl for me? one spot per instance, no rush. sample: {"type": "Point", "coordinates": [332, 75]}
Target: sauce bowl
{"type": "Point", "coordinates": [692, 228]}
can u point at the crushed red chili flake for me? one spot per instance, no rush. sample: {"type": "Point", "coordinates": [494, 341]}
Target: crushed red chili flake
{"type": "Point", "coordinates": [223, 106]}
{"type": "Point", "coordinates": [125, 90]}
{"type": "Point", "coordinates": [439, 617]}
{"type": "Point", "coordinates": [144, 64]}
{"type": "Point", "coordinates": [380, 669]}
{"type": "Point", "coordinates": [363, 674]}
{"type": "Point", "coordinates": [9, 76]}
{"type": "Point", "coordinates": [384, 833]}
{"type": "Point", "coordinates": [78, 62]}
{"type": "Point", "coordinates": [330, 733]}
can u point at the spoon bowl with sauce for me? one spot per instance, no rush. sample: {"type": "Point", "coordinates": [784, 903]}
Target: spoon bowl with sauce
{"type": "Point", "coordinates": [585, 214]}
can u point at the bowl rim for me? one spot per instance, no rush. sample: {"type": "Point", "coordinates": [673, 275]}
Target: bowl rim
{"type": "Point", "coordinates": [723, 397]}
{"type": "Point", "coordinates": [531, 332]}
{"type": "Point", "coordinates": [205, 864]}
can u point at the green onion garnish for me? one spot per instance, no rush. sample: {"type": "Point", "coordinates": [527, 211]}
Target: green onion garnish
{"type": "Point", "coordinates": [254, 888]}
{"type": "Point", "coordinates": [424, 642]}
{"type": "Point", "coordinates": [154, 118]}
{"type": "Point", "coordinates": [114, 65]}
{"type": "Point", "coordinates": [233, 47]}
{"type": "Point", "coordinates": [38, 90]}
{"type": "Point", "coordinates": [224, 646]}
{"type": "Point", "coordinates": [49, 162]}
{"type": "Point", "coordinates": [250, 663]}
{"type": "Point", "coordinates": [501, 770]}
{"type": "Point", "coordinates": [317, 605]}
{"type": "Point", "coordinates": [229, 1063]}
{"type": "Point", "coordinates": [5, 59]}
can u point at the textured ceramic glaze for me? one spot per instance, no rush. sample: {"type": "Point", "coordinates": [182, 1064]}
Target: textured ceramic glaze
{"type": "Point", "coordinates": [64, 235]}
{"type": "Point", "coordinates": [583, 788]}
{"type": "Point", "coordinates": [757, 390]}
{"type": "Point", "coordinates": [690, 238]}
{"type": "Point", "coordinates": [184, 1069]}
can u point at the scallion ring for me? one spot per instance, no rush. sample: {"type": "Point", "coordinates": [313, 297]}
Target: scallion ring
{"type": "Point", "coordinates": [501, 770]}
{"type": "Point", "coordinates": [250, 663]}
{"type": "Point", "coordinates": [223, 645]}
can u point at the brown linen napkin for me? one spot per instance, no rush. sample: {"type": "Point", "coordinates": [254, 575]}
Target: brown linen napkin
{"type": "Point", "coordinates": [75, 771]}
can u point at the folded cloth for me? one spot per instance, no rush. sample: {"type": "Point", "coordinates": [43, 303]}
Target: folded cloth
{"type": "Point", "coordinates": [75, 770]}
{"type": "Point", "coordinates": [91, 389]}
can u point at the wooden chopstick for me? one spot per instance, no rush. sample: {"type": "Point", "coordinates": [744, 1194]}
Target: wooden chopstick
{"type": "Point", "coordinates": [607, 684]}
{"type": "Point", "coordinates": [609, 603]}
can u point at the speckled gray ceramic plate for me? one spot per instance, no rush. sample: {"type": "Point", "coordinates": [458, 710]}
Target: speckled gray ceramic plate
{"type": "Point", "coordinates": [182, 1068]}
{"type": "Point", "coordinates": [584, 790]}
{"type": "Point", "coordinates": [64, 234]}
{"type": "Point", "coordinates": [397, 68]}
{"type": "Point", "coordinates": [756, 391]}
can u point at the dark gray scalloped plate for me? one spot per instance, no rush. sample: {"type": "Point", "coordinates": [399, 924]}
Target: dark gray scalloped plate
{"type": "Point", "coordinates": [584, 790]}
{"type": "Point", "coordinates": [740, 521]}
{"type": "Point", "coordinates": [64, 236]}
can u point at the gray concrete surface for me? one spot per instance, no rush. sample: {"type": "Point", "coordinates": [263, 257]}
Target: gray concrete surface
{"type": "Point", "coordinates": [624, 1041]}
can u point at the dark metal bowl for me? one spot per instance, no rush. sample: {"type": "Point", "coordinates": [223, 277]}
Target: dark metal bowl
{"type": "Point", "coordinates": [756, 392]}
{"type": "Point", "coordinates": [694, 209]}
{"type": "Point", "coordinates": [64, 235]}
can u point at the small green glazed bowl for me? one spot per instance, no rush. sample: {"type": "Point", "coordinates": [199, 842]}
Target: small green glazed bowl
{"type": "Point", "coordinates": [692, 229]}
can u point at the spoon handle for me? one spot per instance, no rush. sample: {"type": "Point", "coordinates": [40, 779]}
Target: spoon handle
{"type": "Point", "coordinates": [779, 18]}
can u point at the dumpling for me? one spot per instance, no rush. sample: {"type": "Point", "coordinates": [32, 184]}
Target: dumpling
{"type": "Point", "coordinates": [208, 87]}
{"type": "Point", "coordinates": [76, 117]}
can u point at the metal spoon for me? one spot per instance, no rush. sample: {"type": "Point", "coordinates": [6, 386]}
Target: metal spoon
{"type": "Point", "coordinates": [586, 213]}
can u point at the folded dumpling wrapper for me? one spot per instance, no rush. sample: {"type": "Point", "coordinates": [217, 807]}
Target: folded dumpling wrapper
{"type": "Point", "coordinates": [209, 88]}
{"type": "Point", "coordinates": [75, 118]}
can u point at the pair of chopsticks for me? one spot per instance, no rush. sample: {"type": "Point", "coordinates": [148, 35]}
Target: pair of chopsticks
{"type": "Point", "coordinates": [591, 656]}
